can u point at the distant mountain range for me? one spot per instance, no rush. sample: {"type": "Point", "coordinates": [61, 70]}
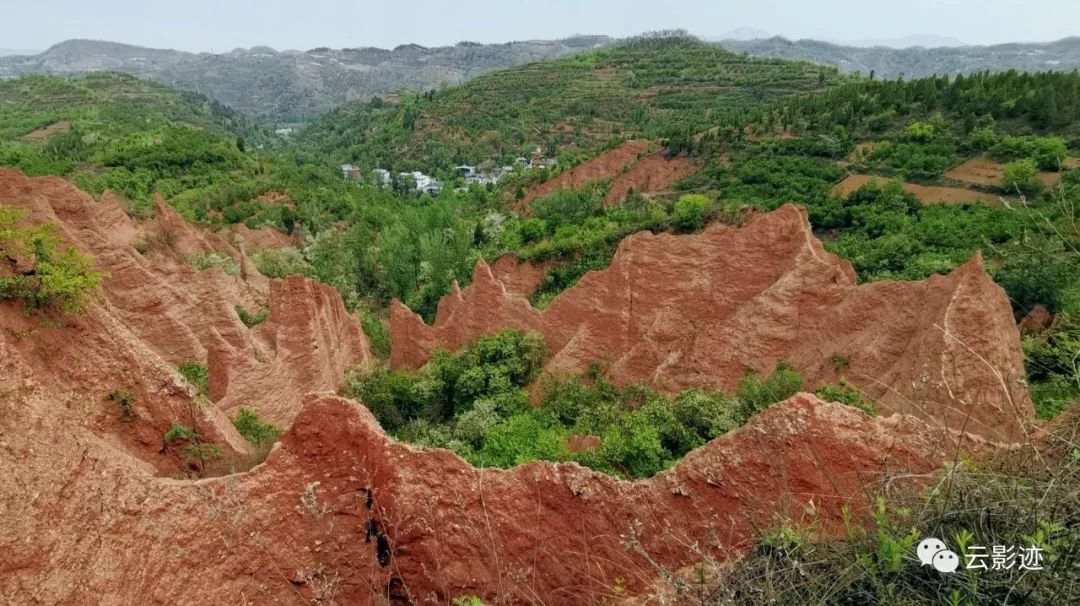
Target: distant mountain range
{"type": "Point", "coordinates": [288, 86]}
{"type": "Point", "coordinates": [4, 52]}
{"type": "Point", "coordinates": [916, 62]}
{"type": "Point", "coordinates": [295, 86]}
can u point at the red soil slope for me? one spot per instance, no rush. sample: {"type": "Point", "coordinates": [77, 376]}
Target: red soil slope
{"type": "Point", "coordinates": [985, 172]}
{"type": "Point", "coordinates": [341, 514]}
{"type": "Point", "coordinates": [181, 314]}
{"type": "Point", "coordinates": [701, 310]}
{"type": "Point", "coordinates": [645, 173]}
{"type": "Point", "coordinates": [521, 277]}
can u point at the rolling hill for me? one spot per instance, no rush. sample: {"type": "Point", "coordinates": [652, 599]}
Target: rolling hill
{"type": "Point", "coordinates": [648, 87]}
{"type": "Point", "coordinates": [293, 86]}
{"type": "Point", "coordinates": [917, 61]}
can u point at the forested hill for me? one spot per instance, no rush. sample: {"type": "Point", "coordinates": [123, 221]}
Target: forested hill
{"type": "Point", "coordinates": [293, 86]}
{"type": "Point", "coordinates": [114, 131]}
{"type": "Point", "coordinates": [652, 87]}
{"type": "Point", "coordinates": [916, 62]}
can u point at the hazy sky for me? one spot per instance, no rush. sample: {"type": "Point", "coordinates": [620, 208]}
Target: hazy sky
{"type": "Point", "coordinates": [221, 25]}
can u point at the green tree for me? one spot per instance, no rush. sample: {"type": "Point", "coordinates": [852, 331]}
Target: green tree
{"type": "Point", "coordinates": [1020, 176]}
{"type": "Point", "coordinates": [691, 211]}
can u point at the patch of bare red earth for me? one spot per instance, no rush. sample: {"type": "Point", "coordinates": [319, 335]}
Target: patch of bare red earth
{"type": "Point", "coordinates": [927, 194]}
{"type": "Point", "coordinates": [985, 172]}
{"type": "Point", "coordinates": [632, 167]}
{"type": "Point", "coordinates": [702, 310]}
{"type": "Point", "coordinates": [339, 513]}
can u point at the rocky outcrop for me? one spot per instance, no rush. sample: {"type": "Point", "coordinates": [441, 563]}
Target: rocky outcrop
{"type": "Point", "coordinates": [341, 514]}
{"type": "Point", "coordinates": [703, 310]}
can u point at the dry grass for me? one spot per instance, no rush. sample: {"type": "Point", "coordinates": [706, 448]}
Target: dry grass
{"type": "Point", "coordinates": [1023, 497]}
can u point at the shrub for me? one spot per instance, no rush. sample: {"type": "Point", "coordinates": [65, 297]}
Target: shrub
{"type": "Point", "coordinates": [125, 399]}
{"type": "Point", "coordinates": [180, 432]}
{"type": "Point", "coordinates": [690, 211]}
{"type": "Point", "coordinates": [255, 430]}
{"type": "Point", "coordinates": [1020, 176]}
{"type": "Point", "coordinates": [755, 394]}
{"type": "Point", "coordinates": [280, 263]}
{"type": "Point", "coordinates": [843, 393]}
{"type": "Point", "coordinates": [204, 261]}
{"type": "Point", "coordinates": [196, 374]}
{"type": "Point", "coordinates": [58, 278]}
{"type": "Point", "coordinates": [377, 332]}
{"type": "Point", "coordinates": [252, 319]}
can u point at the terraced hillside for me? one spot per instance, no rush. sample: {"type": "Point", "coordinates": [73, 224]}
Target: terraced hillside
{"type": "Point", "coordinates": [648, 87]}
{"type": "Point", "coordinates": [114, 131]}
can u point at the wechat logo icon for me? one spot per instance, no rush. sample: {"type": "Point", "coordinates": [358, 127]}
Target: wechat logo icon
{"type": "Point", "coordinates": [932, 552]}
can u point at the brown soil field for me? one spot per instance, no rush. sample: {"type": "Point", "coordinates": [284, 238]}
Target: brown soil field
{"type": "Point", "coordinates": [926, 194]}
{"type": "Point", "coordinates": [43, 133]}
{"type": "Point", "coordinates": [986, 172]}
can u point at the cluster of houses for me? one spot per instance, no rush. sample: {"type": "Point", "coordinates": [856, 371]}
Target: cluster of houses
{"type": "Point", "coordinates": [419, 182]}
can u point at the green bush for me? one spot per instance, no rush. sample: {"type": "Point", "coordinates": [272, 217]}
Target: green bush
{"type": "Point", "coordinates": [204, 261]}
{"type": "Point", "coordinates": [179, 432]}
{"type": "Point", "coordinates": [60, 278]}
{"type": "Point", "coordinates": [756, 394]}
{"type": "Point", "coordinates": [1020, 176]}
{"type": "Point", "coordinates": [251, 319]}
{"type": "Point", "coordinates": [844, 393]}
{"type": "Point", "coordinates": [278, 263]}
{"type": "Point", "coordinates": [254, 429]}
{"type": "Point", "coordinates": [125, 399]}
{"type": "Point", "coordinates": [691, 211]}
{"type": "Point", "coordinates": [197, 375]}
{"type": "Point", "coordinates": [473, 402]}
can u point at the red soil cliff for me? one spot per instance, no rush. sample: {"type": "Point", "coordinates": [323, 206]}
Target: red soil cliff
{"type": "Point", "coordinates": [341, 514]}
{"type": "Point", "coordinates": [702, 310]}
{"type": "Point", "coordinates": [182, 314]}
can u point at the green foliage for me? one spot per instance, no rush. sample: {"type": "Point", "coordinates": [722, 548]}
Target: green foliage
{"type": "Point", "coordinates": [473, 403]}
{"type": "Point", "coordinates": [691, 211]}
{"type": "Point", "coordinates": [124, 398]}
{"type": "Point", "coordinates": [112, 131]}
{"type": "Point", "coordinates": [204, 261]}
{"type": "Point", "coordinates": [1033, 498]}
{"type": "Point", "coordinates": [254, 429]}
{"type": "Point", "coordinates": [1020, 176]}
{"type": "Point", "coordinates": [755, 394]}
{"type": "Point", "coordinates": [1048, 153]}
{"type": "Point", "coordinates": [1053, 365]}
{"type": "Point", "coordinates": [251, 319]}
{"type": "Point", "coordinates": [197, 375]}
{"type": "Point", "coordinates": [654, 87]}
{"type": "Point", "coordinates": [278, 263]}
{"type": "Point", "coordinates": [50, 276]}
{"type": "Point", "coordinates": [377, 331]}
{"type": "Point", "coordinates": [843, 393]}
{"type": "Point", "coordinates": [180, 432]}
